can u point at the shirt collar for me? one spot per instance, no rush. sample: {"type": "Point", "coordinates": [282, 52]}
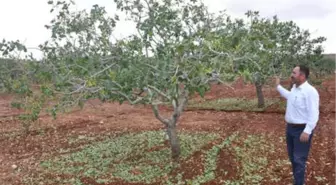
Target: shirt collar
{"type": "Point", "coordinates": [302, 85]}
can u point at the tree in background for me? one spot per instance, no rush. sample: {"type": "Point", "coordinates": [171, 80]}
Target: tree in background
{"type": "Point", "coordinates": [17, 77]}
{"type": "Point", "coordinates": [277, 46]}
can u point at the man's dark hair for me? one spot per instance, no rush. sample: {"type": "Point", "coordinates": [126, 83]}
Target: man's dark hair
{"type": "Point", "coordinates": [304, 70]}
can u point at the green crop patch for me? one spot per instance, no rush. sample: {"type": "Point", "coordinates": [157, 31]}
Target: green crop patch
{"type": "Point", "coordinates": [137, 157]}
{"type": "Point", "coordinates": [235, 104]}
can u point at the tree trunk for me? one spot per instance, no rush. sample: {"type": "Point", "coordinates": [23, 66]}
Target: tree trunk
{"type": "Point", "coordinates": [170, 124]}
{"type": "Point", "coordinates": [174, 141]}
{"type": "Point", "coordinates": [260, 95]}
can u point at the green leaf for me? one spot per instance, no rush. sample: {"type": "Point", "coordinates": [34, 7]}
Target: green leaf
{"type": "Point", "coordinates": [201, 90]}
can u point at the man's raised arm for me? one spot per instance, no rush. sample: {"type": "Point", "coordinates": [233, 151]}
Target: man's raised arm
{"type": "Point", "coordinates": [283, 92]}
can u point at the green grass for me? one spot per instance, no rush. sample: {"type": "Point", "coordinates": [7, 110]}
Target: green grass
{"type": "Point", "coordinates": [235, 104]}
{"type": "Point", "coordinates": [122, 156]}
{"type": "Point", "coordinates": [211, 161]}
{"type": "Point", "coordinates": [253, 168]}
{"type": "Point", "coordinates": [143, 157]}
{"type": "Point", "coordinates": [253, 153]}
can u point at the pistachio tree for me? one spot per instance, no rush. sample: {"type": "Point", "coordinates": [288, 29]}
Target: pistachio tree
{"type": "Point", "coordinates": [171, 56]}
{"type": "Point", "coordinates": [17, 77]}
{"type": "Point", "coordinates": [276, 46]}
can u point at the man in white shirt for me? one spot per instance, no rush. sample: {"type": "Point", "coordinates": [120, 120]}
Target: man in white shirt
{"type": "Point", "coordinates": [302, 114]}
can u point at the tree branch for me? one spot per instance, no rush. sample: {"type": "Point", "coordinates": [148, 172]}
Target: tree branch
{"type": "Point", "coordinates": [75, 91]}
{"type": "Point", "coordinates": [158, 116]}
{"type": "Point", "coordinates": [218, 53]}
{"type": "Point", "coordinates": [178, 108]}
{"type": "Point", "coordinates": [160, 92]}
{"type": "Point", "coordinates": [128, 99]}
{"type": "Point", "coordinates": [106, 68]}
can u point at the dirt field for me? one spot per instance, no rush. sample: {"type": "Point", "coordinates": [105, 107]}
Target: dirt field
{"type": "Point", "coordinates": [99, 120]}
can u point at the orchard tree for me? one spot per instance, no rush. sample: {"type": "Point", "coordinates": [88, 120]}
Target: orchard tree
{"type": "Point", "coordinates": [324, 67]}
{"type": "Point", "coordinates": [17, 74]}
{"type": "Point", "coordinates": [169, 58]}
{"type": "Point", "coordinates": [10, 67]}
{"type": "Point", "coordinates": [276, 46]}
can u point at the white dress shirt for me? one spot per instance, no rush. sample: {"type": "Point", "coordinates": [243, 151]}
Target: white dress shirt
{"type": "Point", "coordinates": [302, 105]}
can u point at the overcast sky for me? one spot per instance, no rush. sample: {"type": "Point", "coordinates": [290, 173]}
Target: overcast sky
{"type": "Point", "coordinates": [25, 19]}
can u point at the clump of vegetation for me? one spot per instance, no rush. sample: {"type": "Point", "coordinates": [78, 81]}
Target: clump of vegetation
{"type": "Point", "coordinates": [136, 157]}
{"type": "Point", "coordinates": [235, 104]}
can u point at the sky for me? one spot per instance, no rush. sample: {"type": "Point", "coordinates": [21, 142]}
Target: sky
{"type": "Point", "coordinates": [24, 20]}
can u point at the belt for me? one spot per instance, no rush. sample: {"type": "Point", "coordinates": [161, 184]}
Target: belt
{"type": "Point", "coordinates": [297, 125]}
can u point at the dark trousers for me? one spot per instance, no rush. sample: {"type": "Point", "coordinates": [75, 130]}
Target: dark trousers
{"type": "Point", "coordinates": [297, 152]}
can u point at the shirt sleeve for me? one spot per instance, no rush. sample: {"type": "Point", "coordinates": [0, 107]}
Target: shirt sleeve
{"type": "Point", "coordinates": [283, 92]}
{"type": "Point", "coordinates": [312, 102]}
